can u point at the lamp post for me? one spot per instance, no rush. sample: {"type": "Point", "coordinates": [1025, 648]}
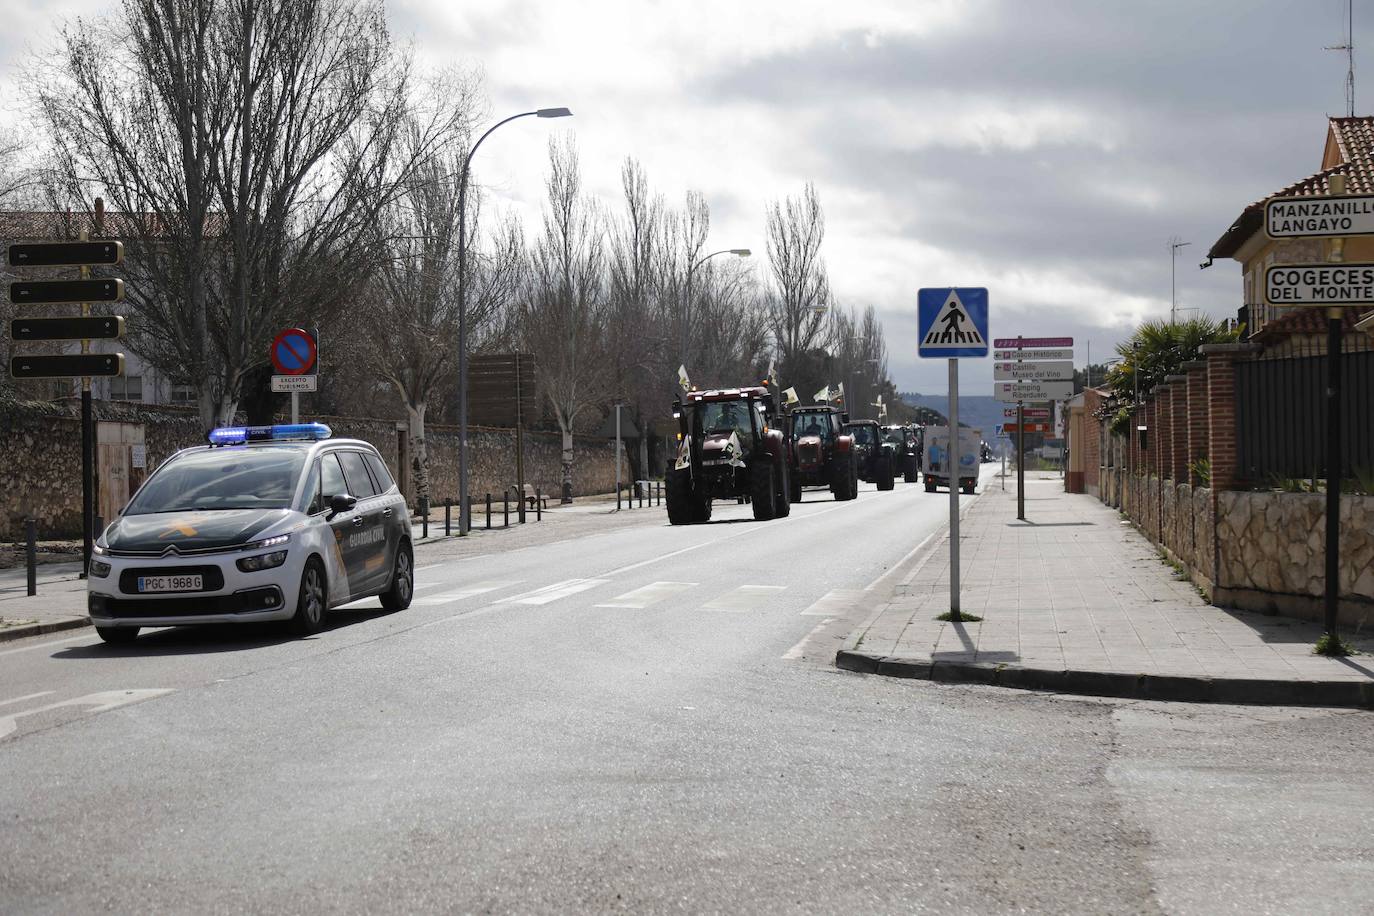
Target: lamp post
{"type": "Point", "coordinates": [464, 510]}
{"type": "Point", "coordinates": [687, 306]}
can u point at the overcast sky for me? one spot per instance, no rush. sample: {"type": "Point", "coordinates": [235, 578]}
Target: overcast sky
{"type": "Point", "coordinates": [1045, 149]}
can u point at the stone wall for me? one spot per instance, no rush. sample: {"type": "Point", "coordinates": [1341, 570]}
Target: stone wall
{"type": "Point", "coordinates": [1273, 552]}
{"type": "Point", "coordinates": [40, 458]}
{"type": "Point", "coordinates": [1271, 546]}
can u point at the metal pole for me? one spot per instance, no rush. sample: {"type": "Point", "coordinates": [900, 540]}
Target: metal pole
{"type": "Point", "coordinates": [1333, 471]}
{"type": "Point", "coordinates": [505, 508]}
{"type": "Point", "coordinates": [87, 445]}
{"type": "Point", "coordinates": [538, 505]}
{"type": "Point", "coordinates": [519, 439]}
{"type": "Point", "coordinates": [424, 519]}
{"type": "Point", "coordinates": [31, 554]}
{"type": "Point", "coordinates": [295, 407]}
{"type": "Point", "coordinates": [617, 456]}
{"type": "Point", "coordinates": [955, 453]}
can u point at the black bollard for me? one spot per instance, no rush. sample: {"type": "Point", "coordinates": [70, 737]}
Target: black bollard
{"type": "Point", "coordinates": [424, 518]}
{"type": "Point", "coordinates": [448, 508]}
{"type": "Point", "coordinates": [488, 511]}
{"type": "Point", "coordinates": [538, 505]}
{"type": "Point", "coordinates": [505, 508]}
{"type": "Point", "coordinates": [31, 551]}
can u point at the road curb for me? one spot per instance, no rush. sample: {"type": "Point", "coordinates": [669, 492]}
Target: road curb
{"type": "Point", "coordinates": [9, 634]}
{"type": "Point", "coordinates": [1239, 691]}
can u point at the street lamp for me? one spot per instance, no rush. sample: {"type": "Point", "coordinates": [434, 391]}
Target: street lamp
{"type": "Point", "coordinates": [687, 306]}
{"type": "Point", "coordinates": [464, 510]}
{"type": "Point", "coordinates": [1175, 244]}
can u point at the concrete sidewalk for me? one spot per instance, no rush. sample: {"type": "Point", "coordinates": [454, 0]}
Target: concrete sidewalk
{"type": "Point", "coordinates": [1074, 599]}
{"type": "Point", "coordinates": [59, 605]}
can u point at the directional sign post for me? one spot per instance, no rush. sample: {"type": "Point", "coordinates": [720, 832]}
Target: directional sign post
{"type": "Point", "coordinates": [294, 354]}
{"type": "Point", "coordinates": [1334, 285]}
{"type": "Point", "coordinates": [953, 323]}
{"type": "Point", "coordinates": [86, 365]}
{"type": "Point", "coordinates": [1031, 369]}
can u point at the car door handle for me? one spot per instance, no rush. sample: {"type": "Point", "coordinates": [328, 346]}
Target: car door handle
{"type": "Point", "coordinates": [357, 521]}
{"type": "Point", "coordinates": [386, 513]}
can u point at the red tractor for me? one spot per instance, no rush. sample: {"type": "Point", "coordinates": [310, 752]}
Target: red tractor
{"type": "Point", "coordinates": [728, 448]}
{"type": "Point", "coordinates": [823, 453]}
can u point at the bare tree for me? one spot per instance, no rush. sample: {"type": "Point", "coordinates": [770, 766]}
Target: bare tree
{"type": "Point", "coordinates": [800, 292]}
{"type": "Point", "coordinates": [563, 315]}
{"type": "Point", "coordinates": [252, 145]}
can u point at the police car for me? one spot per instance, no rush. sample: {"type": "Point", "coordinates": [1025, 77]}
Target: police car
{"type": "Point", "coordinates": [264, 523]}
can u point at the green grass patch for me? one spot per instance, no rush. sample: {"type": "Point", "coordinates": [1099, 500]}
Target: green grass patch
{"type": "Point", "coordinates": [1334, 647]}
{"type": "Point", "coordinates": [958, 617]}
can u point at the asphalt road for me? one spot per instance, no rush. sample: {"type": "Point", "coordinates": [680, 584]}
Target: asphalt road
{"type": "Point", "coordinates": [646, 719]}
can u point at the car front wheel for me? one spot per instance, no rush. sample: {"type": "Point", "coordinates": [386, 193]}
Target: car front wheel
{"type": "Point", "coordinates": [117, 636]}
{"type": "Point", "coordinates": [310, 602]}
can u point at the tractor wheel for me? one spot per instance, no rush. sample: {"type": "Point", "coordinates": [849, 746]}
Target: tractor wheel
{"type": "Point", "coordinates": [678, 484]}
{"type": "Point", "coordinates": [886, 479]}
{"type": "Point", "coordinates": [909, 474]}
{"type": "Point", "coordinates": [853, 479]}
{"type": "Point", "coordinates": [701, 508]}
{"type": "Point", "coordinates": [930, 484]}
{"type": "Point", "coordinates": [763, 489]}
{"type": "Point", "coordinates": [794, 487]}
{"type": "Point", "coordinates": [783, 505]}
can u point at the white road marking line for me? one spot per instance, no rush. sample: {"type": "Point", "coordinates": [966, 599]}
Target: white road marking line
{"type": "Point", "coordinates": [649, 594]}
{"type": "Point", "coordinates": [31, 696]}
{"type": "Point", "coordinates": [428, 566]}
{"type": "Point", "coordinates": [471, 591]}
{"type": "Point", "coordinates": [665, 556]}
{"type": "Point", "coordinates": [103, 701]}
{"type": "Point", "coordinates": [834, 603]}
{"type": "Point", "coordinates": [554, 592]}
{"type": "Point", "coordinates": [799, 650]}
{"type": "Point", "coordinates": [44, 645]}
{"type": "Point", "coordinates": [744, 598]}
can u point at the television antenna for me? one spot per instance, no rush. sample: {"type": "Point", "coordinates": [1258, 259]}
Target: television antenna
{"type": "Point", "coordinates": [1349, 49]}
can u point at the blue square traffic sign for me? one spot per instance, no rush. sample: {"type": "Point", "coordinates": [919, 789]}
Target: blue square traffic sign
{"type": "Point", "coordinates": [953, 322]}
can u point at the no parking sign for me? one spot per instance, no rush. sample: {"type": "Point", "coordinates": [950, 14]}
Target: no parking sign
{"type": "Point", "coordinates": [294, 352]}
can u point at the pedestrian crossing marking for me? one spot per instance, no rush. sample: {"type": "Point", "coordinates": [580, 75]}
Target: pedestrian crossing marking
{"type": "Point", "coordinates": [471, 591]}
{"type": "Point", "coordinates": [953, 328]}
{"type": "Point", "coordinates": [554, 592]}
{"type": "Point", "coordinates": [835, 603]}
{"type": "Point", "coordinates": [648, 594]}
{"type": "Point", "coordinates": [744, 598]}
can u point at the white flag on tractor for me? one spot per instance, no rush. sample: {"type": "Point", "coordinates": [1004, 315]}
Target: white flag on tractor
{"type": "Point", "coordinates": [823, 396]}
{"type": "Point", "coordinates": [790, 396]}
{"type": "Point", "coordinates": [839, 392]}
{"type": "Point", "coordinates": [772, 371]}
{"type": "Point", "coordinates": [682, 378]}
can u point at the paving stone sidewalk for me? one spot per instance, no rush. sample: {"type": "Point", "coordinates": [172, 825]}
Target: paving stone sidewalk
{"type": "Point", "coordinates": [59, 605]}
{"type": "Point", "coordinates": [1075, 599]}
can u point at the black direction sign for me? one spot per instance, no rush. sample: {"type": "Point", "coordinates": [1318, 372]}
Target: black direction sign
{"type": "Point", "coordinates": [77, 365]}
{"type": "Point", "coordinates": [65, 254]}
{"type": "Point", "coordinates": [103, 327]}
{"type": "Point", "coordinates": [64, 292]}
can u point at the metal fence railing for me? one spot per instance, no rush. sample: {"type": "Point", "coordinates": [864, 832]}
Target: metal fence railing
{"type": "Point", "coordinates": [1281, 414]}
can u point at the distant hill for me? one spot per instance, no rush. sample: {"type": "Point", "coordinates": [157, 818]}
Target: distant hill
{"type": "Point", "coordinates": [976, 411]}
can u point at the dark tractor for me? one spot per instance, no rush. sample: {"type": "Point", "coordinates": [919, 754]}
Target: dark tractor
{"type": "Point", "coordinates": [727, 449]}
{"type": "Point", "coordinates": [822, 452]}
{"type": "Point", "coordinates": [906, 444]}
{"type": "Point", "coordinates": [876, 457]}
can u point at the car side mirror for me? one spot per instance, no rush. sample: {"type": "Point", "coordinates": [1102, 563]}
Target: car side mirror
{"type": "Point", "coordinates": [341, 502]}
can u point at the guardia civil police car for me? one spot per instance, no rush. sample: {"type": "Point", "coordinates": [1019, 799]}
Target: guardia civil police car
{"type": "Point", "coordinates": [264, 523]}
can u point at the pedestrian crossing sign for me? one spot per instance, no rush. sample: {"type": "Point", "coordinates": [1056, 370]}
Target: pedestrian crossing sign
{"type": "Point", "coordinates": [953, 322]}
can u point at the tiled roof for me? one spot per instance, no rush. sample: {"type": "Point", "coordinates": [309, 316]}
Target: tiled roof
{"type": "Point", "coordinates": [1354, 139]}
{"type": "Point", "coordinates": [1302, 322]}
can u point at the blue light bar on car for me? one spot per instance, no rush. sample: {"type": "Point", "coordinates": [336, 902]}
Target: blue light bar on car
{"type": "Point", "coordinates": [238, 435]}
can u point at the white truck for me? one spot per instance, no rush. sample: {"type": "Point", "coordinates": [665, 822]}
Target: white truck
{"type": "Point", "coordinates": [936, 460]}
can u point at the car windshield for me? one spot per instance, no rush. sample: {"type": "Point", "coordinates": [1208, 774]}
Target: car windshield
{"type": "Point", "coordinates": [894, 434]}
{"type": "Point", "coordinates": [863, 435]}
{"type": "Point", "coordinates": [810, 424]}
{"type": "Point", "coordinates": [719, 417]}
{"type": "Point", "coordinates": [238, 478]}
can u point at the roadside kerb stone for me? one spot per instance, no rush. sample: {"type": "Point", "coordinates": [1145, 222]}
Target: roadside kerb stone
{"type": "Point", "coordinates": [1075, 600]}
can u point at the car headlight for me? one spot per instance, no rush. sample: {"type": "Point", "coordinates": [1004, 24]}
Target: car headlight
{"type": "Point", "coordinates": [97, 549]}
{"type": "Point", "coordinates": [269, 542]}
{"type": "Point", "coordinates": [99, 569]}
{"type": "Point", "coordinates": [262, 561]}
